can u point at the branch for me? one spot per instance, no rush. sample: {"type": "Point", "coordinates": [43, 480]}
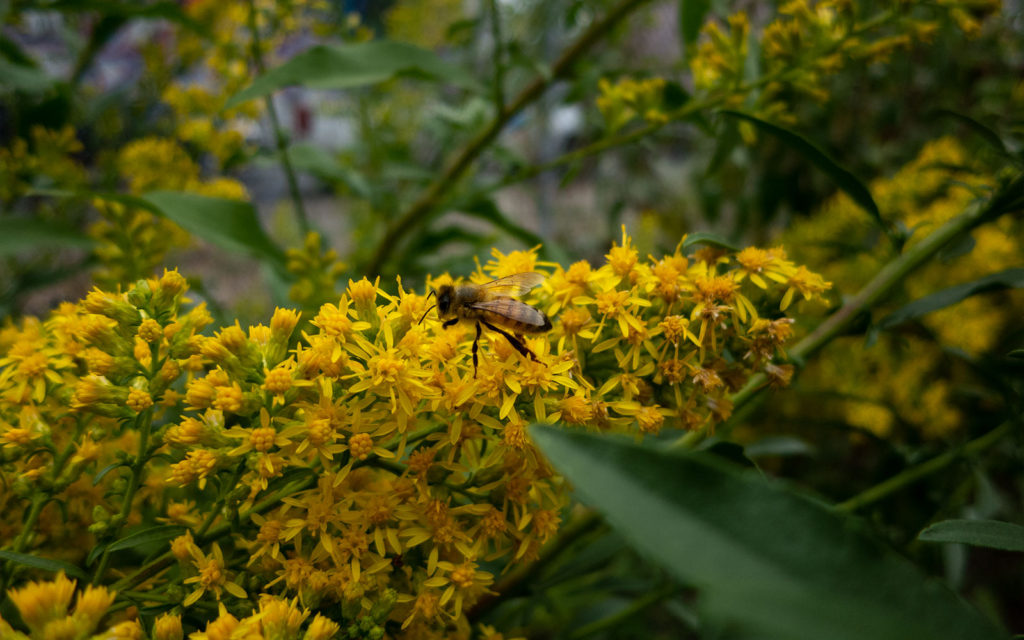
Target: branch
{"type": "Point", "coordinates": [1008, 199]}
{"type": "Point", "coordinates": [431, 198]}
{"type": "Point", "coordinates": [923, 470]}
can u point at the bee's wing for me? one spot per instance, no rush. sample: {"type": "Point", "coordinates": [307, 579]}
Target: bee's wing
{"type": "Point", "coordinates": [513, 310]}
{"type": "Point", "coordinates": [514, 285]}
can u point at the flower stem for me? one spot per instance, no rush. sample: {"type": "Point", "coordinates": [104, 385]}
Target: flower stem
{"type": "Point", "coordinates": [923, 470]}
{"type": "Point", "coordinates": [617, 618]}
{"type": "Point", "coordinates": [280, 140]}
{"type": "Point", "coordinates": [498, 56]}
{"type": "Point", "coordinates": [516, 582]}
{"type": "Point", "coordinates": [145, 423]}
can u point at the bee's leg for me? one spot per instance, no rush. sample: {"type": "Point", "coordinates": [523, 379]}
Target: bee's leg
{"type": "Point", "coordinates": [476, 341]}
{"type": "Point", "coordinates": [450, 323]}
{"type": "Point", "coordinates": [512, 340]}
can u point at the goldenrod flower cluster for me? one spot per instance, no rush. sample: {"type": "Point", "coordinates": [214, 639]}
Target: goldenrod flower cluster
{"type": "Point", "coordinates": [810, 41]}
{"type": "Point", "coordinates": [45, 160]}
{"type": "Point", "coordinates": [45, 608]}
{"type": "Point", "coordinates": [359, 463]}
{"type": "Point", "coordinates": [223, 66]}
{"type": "Point", "coordinates": [907, 379]}
{"type": "Point", "coordinates": [629, 99]}
{"type": "Point", "coordinates": [134, 241]}
{"type": "Point", "coordinates": [425, 23]}
{"type": "Point", "coordinates": [316, 272]}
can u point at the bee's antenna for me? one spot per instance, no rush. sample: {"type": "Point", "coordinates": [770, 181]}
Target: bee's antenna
{"type": "Point", "coordinates": [428, 308]}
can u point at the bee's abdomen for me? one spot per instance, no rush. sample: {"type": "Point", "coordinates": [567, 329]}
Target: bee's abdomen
{"type": "Point", "coordinates": [516, 326]}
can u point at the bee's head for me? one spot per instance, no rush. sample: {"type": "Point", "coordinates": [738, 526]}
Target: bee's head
{"type": "Point", "coordinates": [445, 294]}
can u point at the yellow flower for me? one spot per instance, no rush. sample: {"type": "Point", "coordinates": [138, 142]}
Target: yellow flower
{"type": "Point", "coordinates": [168, 627]}
{"type": "Point", "coordinates": [213, 576]}
{"type": "Point", "coordinates": [42, 602]}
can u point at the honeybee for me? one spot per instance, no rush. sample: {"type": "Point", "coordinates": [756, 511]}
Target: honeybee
{"type": "Point", "coordinates": [491, 305]}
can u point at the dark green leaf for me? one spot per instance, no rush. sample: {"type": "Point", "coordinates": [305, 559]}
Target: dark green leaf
{"type": "Point", "coordinates": [772, 563]}
{"type": "Point", "coordinates": [674, 96]}
{"type": "Point", "coordinates": [324, 165]}
{"type": "Point", "coordinates": [840, 176]}
{"type": "Point", "coordinates": [959, 247]}
{"type": "Point", "coordinates": [979, 533]}
{"type": "Point", "coordinates": [984, 132]}
{"type": "Point", "coordinates": [94, 554]}
{"type": "Point", "coordinates": [486, 209]}
{"type": "Point", "coordinates": [148, 536]}
{"type": "Point", "coordinates": [354, 65]}
{"type": "Point", "coordinates": [229, 224]}
{"type": "Point", "coordinates": [18, 77]}
{"type": "Point", "coordinates": [706, 237]}
{"type": "Point", "coordinates": [27, 234]}
{"type": "Point", "coordinates": [165, 10]}
{"type": "Point", "coordinates": [105, 470]}
{"type": "Point", "coordinates": [46, 564]}
{"type": "Point", "coordinates": [691, 18]}
{"type": "Point", "coordinates": [13, 52]}
{"type": "Point", "coordinates": [1009, 279]}
{"type": "Point", "coordinates": [725, 143]}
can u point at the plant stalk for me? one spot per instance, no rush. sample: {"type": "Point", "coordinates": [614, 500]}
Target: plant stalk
{"type": "Point", "coordinates": [280, 140]}
{"type": "Point", "coordinates": [923, 470]}
{"type": "Point", "coordinates": [145, 424]}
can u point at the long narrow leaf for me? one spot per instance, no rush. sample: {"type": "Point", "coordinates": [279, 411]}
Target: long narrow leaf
{"type": "Point", "coordinates": [354, 65]}
{"type": "Point", "coordinates": [979, 533]}
{"type": "Point", "coordinates": [766, 560]}
{"type": "Point", "coordinates": [691, 17]}
{"type": "Point", "coordinates": [46, 564]}
{"type": "Point", "coordinates": [229, 224]}
{"type": "Point", "coordinates": [148, 536]}
{"type": "Point", "coordinates": [1009, 279]}
{"type": "Point", "coordinates": [840, 176]}
{"type": "Point", "coordinates": [708, 238]}
{"type": "Point", "coordinates": [24, 234]}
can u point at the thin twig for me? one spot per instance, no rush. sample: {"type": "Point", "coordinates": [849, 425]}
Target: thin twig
{"type": "Point", "coordinates": [499, 57]}
{"type": "Point", "coordinates": [517, 581]}
{"type": "Point", "coordinates": [923, 470]}
{"type": "Point", "coordinates": [280, 140]}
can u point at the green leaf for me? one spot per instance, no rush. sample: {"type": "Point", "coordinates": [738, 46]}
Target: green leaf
{"type": "Point", "coordinates": [1009, 279]}
{"type": "Point", "coordinates": [978, 533]}
{"type": "Point", "coordinates": [706, 237]}
{"type": "Point", "coordinates": [164, 10]}
{"type": "Point", "coordinates": [486, 209]}
{"type": "Point", "coordinates": [46, 564]}
{"type": "Point", "coordinates": [105, 470]}
{"type": "Point", "coordinates": [148, 536]}
{"type": "Point", "coordinates": [766, 560]}
{"type": "Point", "coordinates": [354, 65]}
{"type": "Point", "coordinates": [19, 77]}
{"type": "Point", "coordinates": [840, 176]}
{"type": "Point", "coordinates": [229, 224]}
{"type": "Point", "coordinates": [985, 133]}
{"type": "Point", "coordinates": [324, 165]}
{"type": "Point", "coordinates": [691, 18]}
{"type": "Point", "coordinates": [27, 234]}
